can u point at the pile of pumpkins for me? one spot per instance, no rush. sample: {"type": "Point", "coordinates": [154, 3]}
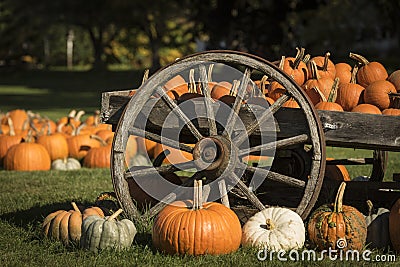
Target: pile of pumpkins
{"type": "Point", "coordinates": [195, 227]}
{"type": "Point", "coordinates": [31, 142]}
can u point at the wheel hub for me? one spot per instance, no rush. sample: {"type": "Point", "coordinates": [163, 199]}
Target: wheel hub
{"type": "Point", "coordinates": [213, 154]}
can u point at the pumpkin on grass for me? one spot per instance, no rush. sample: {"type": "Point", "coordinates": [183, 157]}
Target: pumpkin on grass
{"type": "Point", "coordinates": [98, 157]}
{"type": "Point", "coordinates": [27, 156]}
{"type": "Point", "coordinates": [107, 233]}
{"type": "Point", "coordinates": [196, 228]}
{"type": "Point", "coordinates": [274, 229]}
{"type": "Point", "coordinates": [8, 140]}
{"type": "Point", "coordinates": [55, 143]}
{"type": "Point", "coordinates": [66, 225]}
{"type": "Point", "coordinates": [337, 226]}
{"type": "Point", "coordinates": [65, 164]}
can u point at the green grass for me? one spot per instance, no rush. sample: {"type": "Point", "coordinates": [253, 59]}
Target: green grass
{"type": "Point", "coordinates": [27, 197]}
{"type": "Point", "coordinates": [55, 93]}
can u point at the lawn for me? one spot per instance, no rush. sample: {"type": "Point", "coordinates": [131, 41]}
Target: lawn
{"type": "Point", "coordinates": [27, 197]}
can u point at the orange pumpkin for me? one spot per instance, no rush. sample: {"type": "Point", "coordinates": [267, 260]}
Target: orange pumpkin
{"type": "Point", "coordinates": [79, 145]}
{"type": "Point", "coordinates": [175, 156]}
{"type": "Point", "coordinates": [366, 108]}
{"type": "Point", "coordinates": [330, 103]}
{"type": "Point", "coordinates": [349, 93]}
{"type": "Point", "coordinates": [324, 84]}
{"type": "Point", "coordinates": [391, 112]}
{"type": "Point", "coordinates": [369, 71]}
{"type": "Point", "coordinates": [221, 89]}
{"type": "Point", "coordinates": [343, 72]}
{"type": "Point", "coordinates": [178, 84]}
{"type": "Point", "coordinates": [19, 118]}
{"type": "Point", "coordinates": [325, 66]}
{"type": "Point", "coordinates": [8, 140]}
{"type": "Point", "coordinates": [296, 68]}
{"type": "Point", "coordinates": [336, 172]}
{"type": "Point", "coordinates": [27, 156]}
{"type": "Point", "coordinates": [193, 228]}
{"type": "Point", "coordinates": [378, 93]}
{"type": "Point", "coordinates": [395, 79]}
{"type": "Point", "coordinates": [337, 226]}
{"type": "Point", "coordinates": [56, 144]}
{"type": "Point", "coordinates": [98, 157]}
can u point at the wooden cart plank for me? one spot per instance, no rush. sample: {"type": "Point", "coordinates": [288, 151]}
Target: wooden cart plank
{"type": "Point", "coordinates": [342, 129]}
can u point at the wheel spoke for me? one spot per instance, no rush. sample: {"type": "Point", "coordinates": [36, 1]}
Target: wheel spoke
{"type": "Point", "coordinates": [207, 100]}
{"type": "Point", "coordinates": [179, 112]}
{"type": "Point", "coordinates": [298, 139]}
{"type": "Point", "coordinates": [246, 191]}
{"type": "Point", "coordinates": [172, 196]}
{"type": "Point", "coordinates": [238, 102]}
{"type": "Point", "coordinates": [159, 170]}
{"type": "Point", "coordinates": [159, 139]}
{"type": "Point", "coordinates": [273, 176]}
{"type": "Point", "coordinates": [238, 140]}
{"type": "Point", "coordinates": [223, 192]}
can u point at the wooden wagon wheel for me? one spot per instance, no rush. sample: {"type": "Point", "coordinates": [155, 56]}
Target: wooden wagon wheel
{"type": "Point", "coordinates": [217, 151]}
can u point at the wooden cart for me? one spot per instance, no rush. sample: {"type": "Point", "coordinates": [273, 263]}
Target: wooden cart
{"type": "Point", "coordinates": [220, 136]}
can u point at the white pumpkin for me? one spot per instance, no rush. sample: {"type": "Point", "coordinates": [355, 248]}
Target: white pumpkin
{"type": "Point", "coordinates": [378, 227]}
{"type": "Point", "coordinates": [274, 229]}
{"type": "Point", "coordinates": [66, 164]}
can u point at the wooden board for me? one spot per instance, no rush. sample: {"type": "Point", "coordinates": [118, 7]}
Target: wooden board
{"type": "Point", "coordinates": [342, 129]}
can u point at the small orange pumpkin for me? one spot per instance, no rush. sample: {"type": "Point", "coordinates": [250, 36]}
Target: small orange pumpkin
{"type": "Point", "coordinates": [366, 108]}
{"type": "Point", "coordinates": [378, 93]}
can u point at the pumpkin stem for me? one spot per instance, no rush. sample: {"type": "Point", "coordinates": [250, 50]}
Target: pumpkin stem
{"type": "Point", "coordinates": [338, 206]}
{"type": "Point", "coordinates": [354, 73]}
{"type": "Point", "coordinates": [75, 207]}
{"type": "Point", "coordinates": [115, 215]}
{"type": "Point", "coordinates": [263, 86]}
{"type": "Point", "coordinates": [98, 138]}
{"type": "Point", "coordinates": [370, 207]}
{"type": "Point", "coordinates": [299, 57]}
{"type": "Point", "coordinates": [72, 113]}
{"type": "Point", "coordinates": [306, 58]}
{"type": "Point", "coordinates": [323, 97]}
{"type": "Point", "coordinates": [333, 93]}
{"type": "Point", "coordinates": [314, 70]}
{"type": "Point", "coordinates": [359, 58]}
{"type": "Point", "coordinates": [269, 224]}
{"type": "Point", "coordinates": [326, 60]}
{"type": "Point", "coordinates": [79, 115]}
{"type": "Point", "coordinates": [192, 82]}
{"type": "Point", "coordinates": [197, 195]}
{"type": "Point", "coordinates": [11, 126]}
{"type": "Point", "coordinates": [145, 75]}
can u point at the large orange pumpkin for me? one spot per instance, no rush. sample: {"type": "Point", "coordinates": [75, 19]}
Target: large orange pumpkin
{"type": "Point", "coordinates": [337, 226]}
{"type": "Point", "coordinates": [98, 157]}
{"type": "Point", "coordinates": [56, 144]}
{"type": "Point", "coordinates": [19, 118]}
{"type": "Point", "coordinates": [27, 156]}
{"type": "Point", "coordinates": [378, 93]}
{"type": "Point", "coordinates": [190, 227]}
{"type": "Point", "coordinates": [349, 93]}
{"type": "Point", "coordinates": [336, 172]}
{"type": "Point", "coordinates": [79, 145]}
{"type": "Point", "coordinates": [369, 71]}
{"type": "Point", "coordinates": [395, 79]}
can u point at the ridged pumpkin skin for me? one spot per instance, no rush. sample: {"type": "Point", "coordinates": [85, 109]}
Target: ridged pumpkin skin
{"type": "Point", "coordinates": [395, 79]}
{"type": "Point", "coordinates": [274, 229]}
{"type": "Point", "coordinates": [343, 72]}
{"type": "Point", "coordinates": [63, 225]}
{"type": "Point", "coordinates": [332, 222]}
{"type": "Point", "coordinates": [391, 112]}
{"type": "Point", "coordinates": [66, 164]}
{"type": "Point", "coordinates": [366, 108]}
{"type": "Point", "coordinates": [79, 145]}
{"type": "Point", "coordinates": [7, 141]}
{"type": "Point", "coordinates": [107, 233]}
{"type": "Point", "coordinates": [27, 157]}
{"type": "Point", "coordinates": [56, 144]}
{"type": "Point", "coordinates": [370, 71]}
{"type": "Point", "coordinates": [394, 225]}
{"type": "Point", "coordinates": [348, 95]}
{"type": "Point", "coordinates": [98, 157]}
{"type": "Point", "coordinates": [214, 229]}
{"type": "Point", "coordinates": [377, 93]}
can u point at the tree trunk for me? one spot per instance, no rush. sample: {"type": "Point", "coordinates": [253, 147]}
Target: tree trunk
{"type": "Point", "coordinates": [98, 48]}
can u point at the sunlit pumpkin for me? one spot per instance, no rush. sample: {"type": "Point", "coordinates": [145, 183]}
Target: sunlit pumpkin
{"type": "Point", "coordinates": [369, 71]}
{"type": "Point", "coordinates": [378, 93]}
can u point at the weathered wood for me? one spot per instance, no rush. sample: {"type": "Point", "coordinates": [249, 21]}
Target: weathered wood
{"type": "Point", "coordinates": [247, 192]}
{"type": "Point", "coordinates": [207, 100]}
{"type": "Point", "coordinates": [223, 192]}
{"type": "Point", "coordinates": [341, 129]}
